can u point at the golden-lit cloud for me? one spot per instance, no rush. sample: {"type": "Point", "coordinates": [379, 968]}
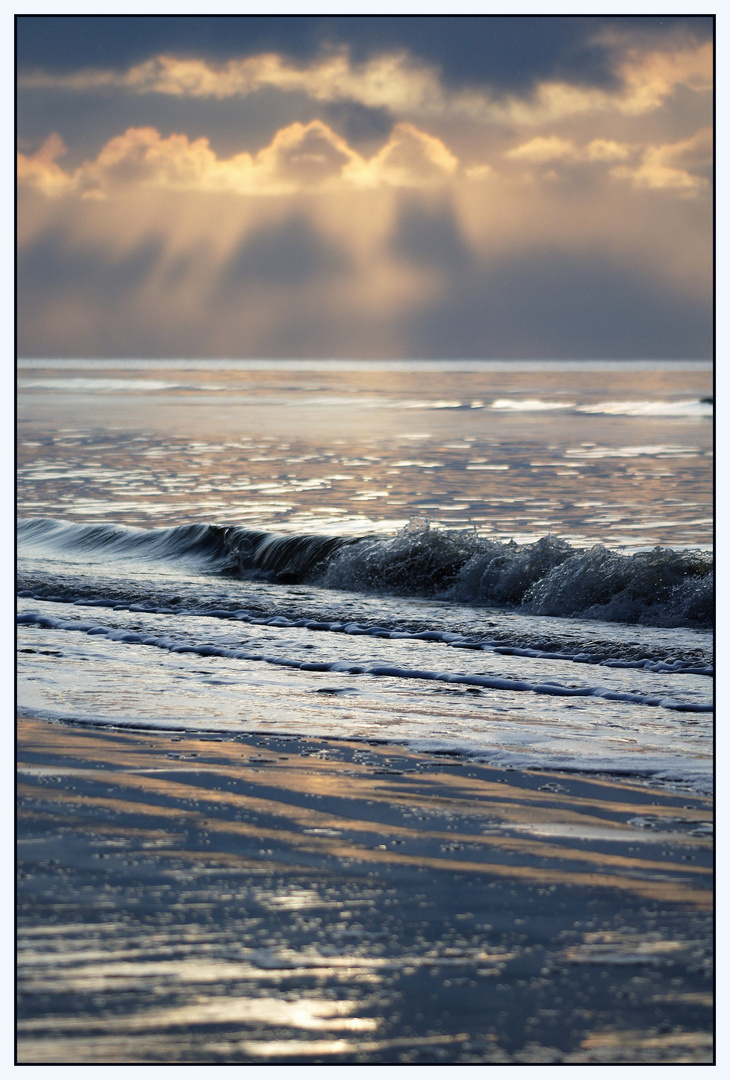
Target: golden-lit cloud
{"type": "Point", "coordinates": [391, 80]}
{"type": "Point", "coordinates": [300, 157]}
{"type": "Point", "coordinates": [369, 208]}
{"type": "Point", "coordinates": [681, 167]}
{"type": "Point", "coordinates": [41, 170]}
{"type": "Point", "coordinates": [543, 149]}
{"type": "Point", "coordinates": [646, 76]}
{"type": "Point", "coordinates": [313, 157]}
{"type": "Point", "coordinates": [650, 75]}
{"type": "Point", "coordinates": [674, 166]}
{"type": "Point", "coordinates": [411, 158]}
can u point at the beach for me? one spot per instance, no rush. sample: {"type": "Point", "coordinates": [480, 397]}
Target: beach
{"type": "Point", "coordinates": [365, 523]}
{"type": "Point", "coordinates": [261, 898]}
{"type": "Point", "coordinates": [370, 723]}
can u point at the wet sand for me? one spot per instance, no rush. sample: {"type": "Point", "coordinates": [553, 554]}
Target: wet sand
{"type": "Point", "coordinates": [267, 899]}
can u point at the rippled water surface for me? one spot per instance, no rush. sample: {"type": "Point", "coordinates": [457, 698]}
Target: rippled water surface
{"type": "Point", "coordinates": [465, 602]}
{"type": "Point", "coordinates": [616, 453]}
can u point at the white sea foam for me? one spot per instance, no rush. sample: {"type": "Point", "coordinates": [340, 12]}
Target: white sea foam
{"type": "Point", "coordinates": [650, 408]}
{"type": "Point", "coordinates": [531, 404]}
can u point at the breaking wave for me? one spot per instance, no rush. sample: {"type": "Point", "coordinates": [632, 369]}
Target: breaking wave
{"type": "Point", "coordinates": [662, 587]}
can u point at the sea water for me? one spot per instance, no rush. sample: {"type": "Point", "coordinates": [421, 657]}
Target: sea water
{"type": "Point", "coordinates": [510, 561]}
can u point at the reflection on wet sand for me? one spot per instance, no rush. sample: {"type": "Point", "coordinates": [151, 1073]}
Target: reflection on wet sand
{"type": "Point", "coordinates": [302, 900]}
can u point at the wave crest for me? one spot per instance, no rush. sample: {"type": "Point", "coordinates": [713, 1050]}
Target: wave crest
{"type": "Point", "coordinates": [662, 587]}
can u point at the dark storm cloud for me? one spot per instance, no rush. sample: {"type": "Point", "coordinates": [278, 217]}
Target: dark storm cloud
{"type": "Point", "coordinates": [504, 51]}
{"type": "Point", "coordinates": [559, 305]}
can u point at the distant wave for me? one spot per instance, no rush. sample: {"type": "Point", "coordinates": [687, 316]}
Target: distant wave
{"type": "Point", "coordinates": [91, 384]}
{"type": "Point", "coordinates": [81, 384]}
{"type": "Point", "coordinates": [662, 587]}
{"type": "Point", "coordinates": [694, 407]}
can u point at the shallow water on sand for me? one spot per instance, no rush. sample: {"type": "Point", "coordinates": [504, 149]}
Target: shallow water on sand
{"type": "Point", "coordinates": [266, 899]}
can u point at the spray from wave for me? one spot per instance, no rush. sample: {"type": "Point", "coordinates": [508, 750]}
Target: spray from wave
{"type": "Point", "coordinates": [662, 587]}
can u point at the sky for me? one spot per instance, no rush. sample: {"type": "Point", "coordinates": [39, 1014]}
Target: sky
{"type": "Point", "coordinates": [365, 186]}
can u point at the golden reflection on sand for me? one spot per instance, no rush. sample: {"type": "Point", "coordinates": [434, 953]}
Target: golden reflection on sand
{"type": "Point", "coordinates": [270, 829]}
{"type": "Point", "coordinates": [200, 799]}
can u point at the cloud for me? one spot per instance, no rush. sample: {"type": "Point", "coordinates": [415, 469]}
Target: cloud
{"type": "Point", "coordinates": [41, 170]}
{"type": "Point", "coordinates": [232, 208]}
{"type": "Point", "coordinates": [411, 158]}
{"type": "Point", "coordinates": [312, 157]}
{"type": "Point", "coordinates": [299, 157]}
{"type": "Point", "coordinates": [391, 80]}
{"type": "Point", "coordinates": [645, 75]}
{"type": "Point", "coordinates": [506, 52]}
{"type": "Point", "coordinates": [141, 157]}
{"type": "Point", "coordinates": [378, 271]}
{"type": "Point", "coordinates": [682, 167]}
{"type": "Point", "coordinates": [303, 155]}
{"type": "Point", "coordinates": [606, 150]}
{"type": "Point", "coordinates": [651, 74]}
{"type": "Point", "coordinates": [543, 149]}
{"type": "Point", "coordinates": [668, 166]}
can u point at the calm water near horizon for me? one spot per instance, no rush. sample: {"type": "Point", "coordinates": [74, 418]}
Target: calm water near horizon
{"type": "Point", "coordinates": [505, 559]}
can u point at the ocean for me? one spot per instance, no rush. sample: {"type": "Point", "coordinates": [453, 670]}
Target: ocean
{"type": "Point", "coordinates": [506, 562]}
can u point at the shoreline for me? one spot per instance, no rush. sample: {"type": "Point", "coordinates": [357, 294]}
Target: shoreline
{"type": "Point", "coordinates": [261, 899]}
